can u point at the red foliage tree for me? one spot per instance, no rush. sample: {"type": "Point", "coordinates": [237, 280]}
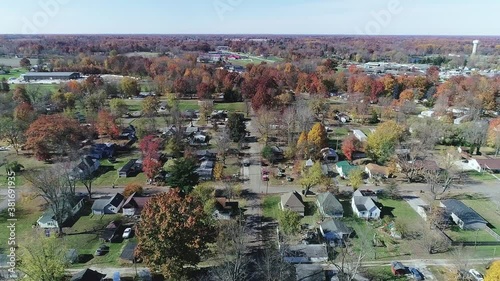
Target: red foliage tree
{"type": "Point", "coordinates": [150, 147]}
{"type": "Point", "coordinates": [350, 145]}
{"type": "Point", "coordinates": [106, 124]}
{"type": "Point", "coordinates": [377, 89]}
{"type": "Point", "coordinates": [53, 133]}
{"type": "Point", "coordinates": [24, 112]}
{"type": "Point", "coordinates": [205, 91]}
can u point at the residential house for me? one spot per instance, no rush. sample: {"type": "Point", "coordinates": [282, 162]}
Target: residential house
{"type": "Point", "coordinates": [133, 166]}
{"type": "Point", "coordinates": [334, 230]}
{"type": "Point", "coordinates": [292, 201]}
{"type": "Point", "coordinates": [329, 155]}
{"type": "Point", "coordinates": [128, 133]}
{"type": "Point", "coordinates": [134, 205]}
{"type": "Point", "coordinates": [225, 208]}
{"type": "Point", "coordinates": [198, 139]}
{"type": "Point", "coordinates": [376, 171]}
{"type": "Point", "coordinates": [206, 154]}
{"type": "Point", "coordinates": [364, 206]}
{"type": "Point", "coordinates": [88, 275]}
{"type": "Point", "coordinates": [358, 134]}
{"type": "Point", "coordinates": [465, 217]}
{"type": "Point", "coordinates": [191, 131]}
{"type": "Point", "coordinates": [102, 150]}
{"type": "Point", "coordinates": [344, 168]}
{"type": "Point", "coordinates": [206, 170]}
{"type": "Point", "coordinates": [299, 254]}
{"type": "Point", "coordinates": [367, 193]}
{"type": "Point", "coordinates": [278, 153]}
{"type": "Point", "coordinates": [48, 220]}
{"type": "Point", "coordinates": [311, 272]}
{"type": "Point", "coordinates": [86, 167]}
{"type": "Point", "coordinates": [485, 164]}
{"type": "Point", "coordinates": [108, 204]}
{"type": "Point", "coordinates": [329, 206]}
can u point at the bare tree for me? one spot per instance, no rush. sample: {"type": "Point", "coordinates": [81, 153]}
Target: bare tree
{"type": "Point", "coordinates": [223, 143]}
{"type": "Point", "coordinates": [86, 177]}
{"type": "Point", "coordinates": [57, 187]}
{"type": "Point", "coordinates": [273, 267]}
{"type": "Point", "coordinates": [474, 133]}
{"type": "Point", "coordinates": [442, 180]}
{"type": "Point", "coordinates": [288, 124]}
{"type": "Point", "coordinates": [265, 121]}
{"type": "Point", "coordinates": [232, 247]}
{"type": "Point", "coordinates": [433, 241]}
{"type": "Point", "coordinates": [411, 163]}
{"type": "Point", "coordinates": [350, 258]}
{"type": "Point", "coordinates": [304, 116]}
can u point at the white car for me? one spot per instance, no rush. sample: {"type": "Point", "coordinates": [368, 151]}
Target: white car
{"type": "Point", "coordinates": [477, 276]}
{"type": "Point", "coordinates": [126, 233]}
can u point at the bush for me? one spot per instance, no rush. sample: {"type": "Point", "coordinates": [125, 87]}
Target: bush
{"type": "Point", "coordinates": [289, 222]}
{"type": "Point", "coordinates": [132, 188]}
{"type": "Point", "coordinates": [14, 167]}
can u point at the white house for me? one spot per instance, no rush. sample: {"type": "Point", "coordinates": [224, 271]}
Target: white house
{"type": "Point", "coordinates": [364, 207]}
{"type": "Point", "coordinates": [47, 219]}
{"type": "Point", "coordinates": [360, 135]}
{"type": "Point", "coordinates": [482, 165]}
{"type": "Point", "coordinates": [108, 204]}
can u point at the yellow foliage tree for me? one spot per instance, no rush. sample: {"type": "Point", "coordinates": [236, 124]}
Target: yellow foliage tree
{"type": "Point", "coordinates": [317, 137]}
{"type": "Point", "coordinates": [356, 178]}
{"type": "Point", "coordinates": [302, 144]}
{"type": "Point", "coordinates": [381, 144]}
{"type": "Point", "coordinates": [218, 171]}
{"type": "Point", "coordinates": [493, 273]}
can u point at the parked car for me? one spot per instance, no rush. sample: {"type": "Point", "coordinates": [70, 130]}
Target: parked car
{"type": "Point", "coordinates": [265, 172]}
{"type": "Point", "coordinates": [246, 162]}
{"type": "Point", "coordinates": [265, 177]}
{"type": "Point", "coordinates": [102, 250]}
{"type": "Point", "coordinates": [127, 233]}
{"type": "Point", "coordinates": [417, 275]}
{"type": "Point", "coordinates": [477, 276]}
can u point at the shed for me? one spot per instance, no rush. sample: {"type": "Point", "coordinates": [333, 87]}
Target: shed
{"type": "Point", "coordinates": [344, 168]}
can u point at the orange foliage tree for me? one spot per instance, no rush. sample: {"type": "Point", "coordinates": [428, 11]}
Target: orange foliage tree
{"type": "Point", "coordinates": [173, 233]}
{"type": "Point", "coordinates": [106, 124]}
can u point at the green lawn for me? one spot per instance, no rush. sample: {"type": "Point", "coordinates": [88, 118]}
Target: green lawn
{"type": "Point", "coordinates": [109, 172]}
{"type": "Point", "coordinates": [400, 209]}
{"type": "Point", "coordinates": [460, 235]}
{"type": "Point", "coordinates": [475, 175]}
{"type": "Point", "coordinates": [15, 72]}
{"type": "Point", "coordinates": [28, 163]}
{"type": "Point", "coordinates": [381, 273]}
{"type": "Point", "coordinates": [488, 210]}
{"type": "Point", "coordinates": [271, 207]}
{"type": "Point", "coordinates": [84, 236]}
{"type": "Point", "coordinates": [26, 215]}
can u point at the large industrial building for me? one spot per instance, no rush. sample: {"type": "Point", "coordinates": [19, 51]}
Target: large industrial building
{"type": "Point", "coordinates": [35, 76]}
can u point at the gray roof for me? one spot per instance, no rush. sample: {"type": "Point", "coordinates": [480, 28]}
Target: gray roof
{"type": "Point", "coordinates": [462, 211]}
{"type": "Point", "coordinates": [335, 226]}
{"type": "Point", "coordinates": [329, 204]}
{"type": "Point", "coordinates": [128, 252]}
{"type": "Point", "coordinates": [88, 275]}
{"type": "Point", "coordinates": [291, 200]}
{"type": "Point", "coordinates": [102, 202]}
{"type": "Point", "coordinates": [364, 203]}
{"type": "Point", "coordinates": [50, 74]}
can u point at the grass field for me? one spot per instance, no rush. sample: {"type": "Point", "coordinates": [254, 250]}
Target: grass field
{"type": "Point", "coordinates": [381, 273]}
{"type": "Point", "coordinates": [271, 207]}
{"type": "Point", "coordinates": [475, 175]}
{"type": "Point", "coordinates": [136, 105]}
{"type": "Point", "coordinates": [459, 235]}
{"type": "Point", "coordinates": [15, 72]}
{"type": "Point", "coordinates": [400, 209]}
{"type": "Point", "coordinates": [489, 210]}
{"type": "Point", "coordinates": [109, 172]}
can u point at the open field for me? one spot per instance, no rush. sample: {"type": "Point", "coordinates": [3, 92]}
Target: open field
{"type": "Point", "coordinates": [109, 172]}
{"type": "Point", "coordinates": [400, 209]}
{"type": "Point", "coordinates": [136, 105]}
{"type": "Point", "coordinates": [459, 235]}
{"type": "Point", "coordinates": [381, 273]}
{"type": "Point", "coordinates": [271, 206]}
{"type": "Point", "coordinates": [15, 72]}
{"type": "Point", "coordinates": [13, 62]}
{"type": "Point", "coordinates": [489, 210]}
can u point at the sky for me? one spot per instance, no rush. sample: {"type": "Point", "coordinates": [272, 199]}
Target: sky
{"type": "Point", "coordinates": [358, 17]}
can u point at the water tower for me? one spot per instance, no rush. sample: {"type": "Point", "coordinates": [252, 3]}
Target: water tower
{"type": "Point", "coordinates": [474, 48]}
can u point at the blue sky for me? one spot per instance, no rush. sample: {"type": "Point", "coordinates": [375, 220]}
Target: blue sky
{"type": "Point", "coordinates": [371, 17]}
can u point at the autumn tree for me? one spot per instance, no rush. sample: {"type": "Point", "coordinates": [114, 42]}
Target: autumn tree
{"type": "Point", "coordinates": [223, 144]}
{"type": "Point", "coordinates": [150, 147]}
{"type": "Point", "coordinates": [173, 233]}
{"type": "Point", "coordinates": [132, 188]}
{"type": "Point", "coordinates": [356, 178]}
{"type": "Point", "coordinates": [237, 127]}
{"type": "Point", "coordinates": [303, 145]}
{"type": "Point", "coordinates": [317, 138]}
{"type": "Point", "coordinates": [106, 124]}
{"type": "Point", "coordinates": [494, 135]}
{"type": "Point", "coordinates": [25, 63]}
{"type": "Point", "coordinates": [129, 87]}
{"type": "Point", "coordinates": [381, 144]}
{"type": "Point", "coordinates": [150, 106]}
{"type": "Point", "coordinates": [475, 134]}
{"type": "Point", "coordinates": [53, 134]}
{"type": "Point", "coordinates": [205, 91]}
{"type": "Point", "coordinates": [43, 259]}
{"type": "Point", "coordinates": [118, 107]}
{"type": "Point", "coordinates": [182, 175]}
{"type": "Point", "coordinates": [265, 121]}
{"type": "Point", "coordinates": [312, 177]}
{"type": "Point", "coordinates": [350, 145]}
{"type": "Point", "coordinates": [493, 272]}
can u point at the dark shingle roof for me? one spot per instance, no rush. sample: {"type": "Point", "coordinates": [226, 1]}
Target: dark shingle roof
{"type": "Point", "coordinates": [102, 202]}
{"type": "Point", "coordinates": [128, 252]}
{"type": "Point", "coordinates": [462, 211]}
{"type": "Point", "coordinates": [335, 226]}
{"type": "Point", "coordinates": [88, 275]}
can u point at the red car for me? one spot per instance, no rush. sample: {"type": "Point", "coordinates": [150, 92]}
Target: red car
{"type": "Point", "coordinates": [265, 172]}
{"type": "Point", "coordinates": [265, 177]}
